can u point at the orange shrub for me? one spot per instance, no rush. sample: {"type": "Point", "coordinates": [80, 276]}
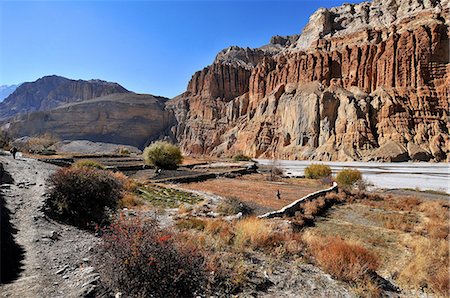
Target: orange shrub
{"type": "Point", "coordinates": [140, 259]}
{"type": "Point", "coordinates": [344, 260]}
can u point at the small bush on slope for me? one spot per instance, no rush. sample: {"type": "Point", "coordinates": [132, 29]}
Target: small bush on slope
{"type": "Point", "coordinates": [163, 155]}
{"type": "Point", "coordinates": [82, 196]}
{"type": "Point", "coordinates": [142, 260]}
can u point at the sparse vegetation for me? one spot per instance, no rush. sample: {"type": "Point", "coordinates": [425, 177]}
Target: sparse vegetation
{"type": "Point", "coordinates": [191, 223]}
{"type": "Point", "coordinates": [241, 157]}
{"type": "Point", "coordinates": [232, 205]}
{"type": "Point", "coordinates": [166, 197]}
{"type": "Point", "coordinates": [139, 258]}
{"type": "Point", "coordinates": [428, 266]}
{"type": "Point", "coordinates": [5, 140]}
{"type": "Point", "coordinates": [347, 178]}
{"type": "Point", "coordinates": [163, 155]}
{"type": "Point", "coordinates": [130, 200]}
{"type": "Point", "coordinates": [39, 144]}
{"type": "Point", "coordinates": [88, 163]}
{"type": "Point", "coordinates": [317, 171]}
{"type": "Point", "coordinates": [274, 171]}
{"type": "Point", "coordinates": [83, 196]}
{"type": "Point", "coordinates": [252, 232]}
{"type": "Point", "coordinates": [124, 151]}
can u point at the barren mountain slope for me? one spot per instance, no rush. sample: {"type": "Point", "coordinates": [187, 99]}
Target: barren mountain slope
{"type": "Point", "coordinates": [52, 91]}
{"type": "Point", "coordinates": [366, 81]}
{"type": "Point", "coordinates": [122, 118]}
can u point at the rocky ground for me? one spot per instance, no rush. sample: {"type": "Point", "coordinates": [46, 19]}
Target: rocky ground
{"type": "Point", "coordinates": [56, 256]}
{"type": "Point", "coordinates": [56, 260]}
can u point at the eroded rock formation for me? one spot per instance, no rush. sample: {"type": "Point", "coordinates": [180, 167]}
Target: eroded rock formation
{"type": "Point", "coordinates": [362, 82]}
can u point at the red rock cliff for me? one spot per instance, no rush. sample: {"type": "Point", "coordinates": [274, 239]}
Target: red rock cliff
{"type": "Point", "coordinates": [366, 81]}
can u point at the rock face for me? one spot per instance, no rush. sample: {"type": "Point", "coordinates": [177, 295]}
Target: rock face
{"type": "Point", "coordinates": [369, 81]}
{"type": "Point", "coordinates": [53, 91]}
{"type": "Point", "coordinates": [6, 90]}
{"type": "Point", "coordinates": [123, 118]}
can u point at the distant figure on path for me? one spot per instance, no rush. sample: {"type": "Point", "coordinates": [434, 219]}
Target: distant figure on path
{"type": "Point", "coordinates": [13, 152]}
{"type": "Point", "coordinates": [278, 195]}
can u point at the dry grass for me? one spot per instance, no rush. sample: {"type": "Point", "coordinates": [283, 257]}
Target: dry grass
{"type": "Point", "coordinates": [39, 143]}
{"type": "Point", "coordinates": [191, 223]}
{"type": "Point", "coordinates": [88, 163]}
{"type": "Point", "coordinates": [405, 222]}
{"type": "Point", "coordinates": [428, 267]}
{"type": "Point", "coordinates": [252, 232]}
{"type": "Point", "coordinates": [318, 206]}
{"type": "Point", "coordinates": [409, 235]}
{"type": "Point", "coordinates": [231, 206]}
{"type": "Point", "coordinates": [231, 247]}
{"type": "Point", "coordinates": [438, 217]}
{"type": "Point", "coordinates": [129, 184]}
{"type": "Point", "coordinates": [344, 260]}
{"type": "Point", "coordinates": [130, 201]}
{"type": "Point", "coordinates": [410, 214]}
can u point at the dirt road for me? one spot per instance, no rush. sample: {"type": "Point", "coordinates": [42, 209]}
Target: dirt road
{"type": "Point", "coordinates": [56, 256]}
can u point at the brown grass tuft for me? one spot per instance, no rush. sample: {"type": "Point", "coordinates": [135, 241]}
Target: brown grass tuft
{"type": "Point", "coordinates": [252, 232]}
{"type": "Point", "coordinates": [129, 184]}
{"type": "Point", "coordinates": [130, 200]}
{"type": "Point", "coordinates": [344, 260]}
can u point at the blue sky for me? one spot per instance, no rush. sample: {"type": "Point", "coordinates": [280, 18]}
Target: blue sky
{"type": "Point", "coordinates": [146, 46]}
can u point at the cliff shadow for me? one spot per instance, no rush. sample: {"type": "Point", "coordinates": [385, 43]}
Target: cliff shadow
{"type": "Point", "coordinates": [11, 254]}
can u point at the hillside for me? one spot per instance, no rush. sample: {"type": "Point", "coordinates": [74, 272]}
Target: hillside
{"type": "Point", "coordinates": [123, 118]}
{"type": "Point", "coordinates": [52, 91]}
{"type": "Point", "coordinates": [362, 82]}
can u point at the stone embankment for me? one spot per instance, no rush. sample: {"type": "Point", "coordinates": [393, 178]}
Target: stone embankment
{"type": "Point", "coordinates": [290, 209]}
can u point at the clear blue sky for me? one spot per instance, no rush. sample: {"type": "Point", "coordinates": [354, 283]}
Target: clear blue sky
{"type": "Point", "coordinates": [146, 46]}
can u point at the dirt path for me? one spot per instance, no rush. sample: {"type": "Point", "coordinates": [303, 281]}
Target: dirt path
{"type": "Point", "coordinates": [56, 256]}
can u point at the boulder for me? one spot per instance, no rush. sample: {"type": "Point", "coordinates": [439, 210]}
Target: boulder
{"type": "Point", "coordinates": [391, 152]}
{"type": "Point", "coordinates": [416, 152]}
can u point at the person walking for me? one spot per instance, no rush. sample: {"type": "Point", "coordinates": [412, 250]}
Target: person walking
{"type": "Point", "coordinates": [13, 152]}
{"type": "Point", "coordinates": [278, 195]}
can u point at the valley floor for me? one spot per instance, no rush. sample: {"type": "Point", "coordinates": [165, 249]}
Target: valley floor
{"type": "Point", "coordinates": [264, 258]}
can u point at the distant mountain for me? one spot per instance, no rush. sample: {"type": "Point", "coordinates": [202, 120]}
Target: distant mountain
{"type": "Point", "coordinates": [52, 91]}
{"type": "Point", "coordinates": [6, 90]}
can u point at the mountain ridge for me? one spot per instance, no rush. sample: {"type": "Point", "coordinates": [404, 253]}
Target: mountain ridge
{"type": "Point", "coordinates": [52, 91]}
